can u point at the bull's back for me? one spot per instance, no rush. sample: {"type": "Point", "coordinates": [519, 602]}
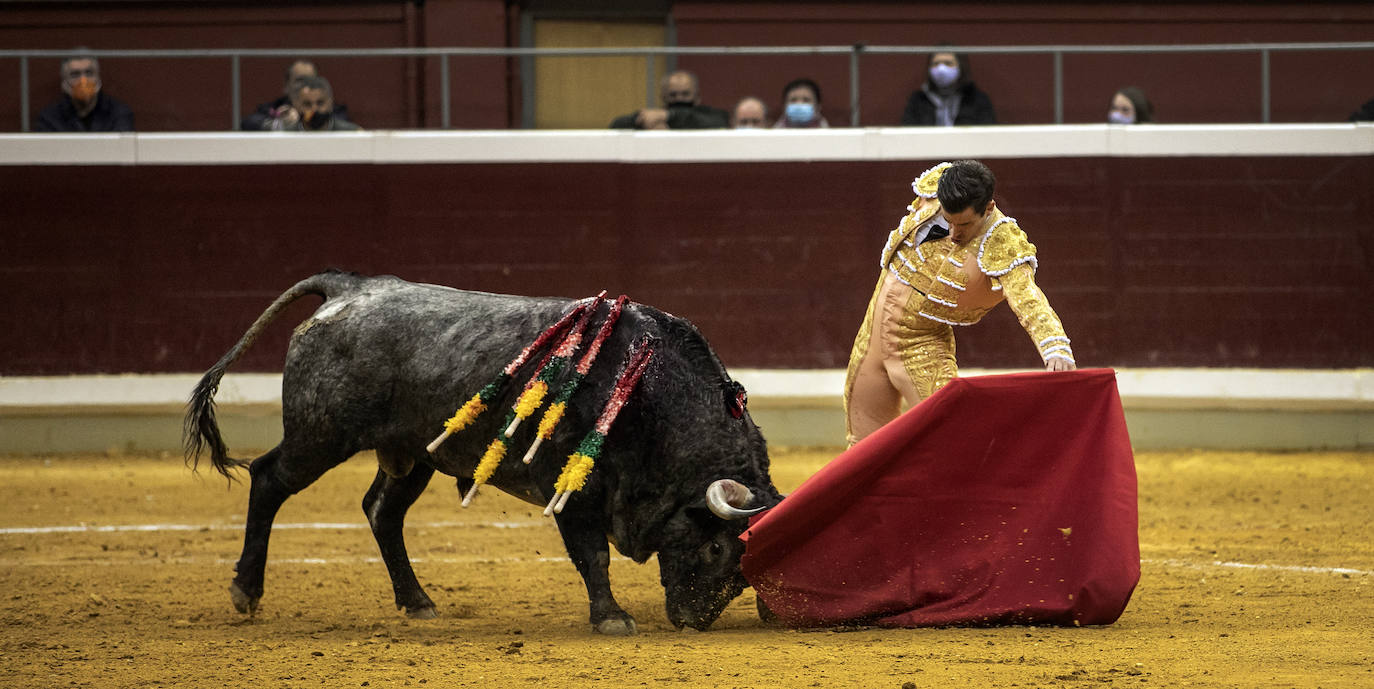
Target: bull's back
{"type": "Point", "coordinates": [394, 358]}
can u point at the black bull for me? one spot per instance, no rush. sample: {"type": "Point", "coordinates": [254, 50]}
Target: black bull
{"type": "Point", "coordinates": [382, 363]}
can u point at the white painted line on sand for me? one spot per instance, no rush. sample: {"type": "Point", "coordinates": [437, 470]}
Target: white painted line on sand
{"type": "Point", "coordinates": [120, 528]}
{"type": "Point", "coordinates": [1304, 569]}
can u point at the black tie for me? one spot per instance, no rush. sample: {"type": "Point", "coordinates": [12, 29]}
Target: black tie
{"type": "Point", "coordinates": [936, 232]}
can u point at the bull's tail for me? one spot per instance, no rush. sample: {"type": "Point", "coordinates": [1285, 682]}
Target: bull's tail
{"type": "Point", "coordinates": [200, 430]}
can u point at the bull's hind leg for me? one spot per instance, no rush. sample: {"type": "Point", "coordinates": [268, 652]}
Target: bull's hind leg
{"type": "Point", "coordinates": [272, 483]}
{"type": "Point", "coordinates": [587, 546]}
{"type": "Point", "coordinates": [386, 504]}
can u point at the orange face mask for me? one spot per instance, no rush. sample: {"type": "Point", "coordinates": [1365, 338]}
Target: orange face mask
{"type": "Point", "coordinates": [85, 89]}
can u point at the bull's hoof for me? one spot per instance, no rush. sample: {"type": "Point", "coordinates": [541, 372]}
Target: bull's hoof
{"type": "Point", "coordinates": [243, 602]}
{"type": "Point", "coordinates": [765, 613]}
{"type": "Point", "coordinates": [616, 627]}
{"type": "Point", "coordinates": [425, 613]}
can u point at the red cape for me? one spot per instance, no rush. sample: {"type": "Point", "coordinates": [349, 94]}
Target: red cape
{"type": "Point", "coordinates": [1005, 499]}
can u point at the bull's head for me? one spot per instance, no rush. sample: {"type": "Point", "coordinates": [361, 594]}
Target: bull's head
{"type": "Point", "coordinates": [699, 562]}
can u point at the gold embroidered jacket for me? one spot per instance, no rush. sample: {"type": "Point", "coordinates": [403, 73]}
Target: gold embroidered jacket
{"type": "Point", "coordinates": [962, 282]}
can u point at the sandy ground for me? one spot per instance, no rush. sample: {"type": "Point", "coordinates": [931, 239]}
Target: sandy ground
{"type": "Point", "coordinates": [1258, 572]}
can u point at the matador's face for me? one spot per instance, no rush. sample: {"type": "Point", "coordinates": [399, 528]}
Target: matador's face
{"type": "Point", "coordinates": [968, 223]}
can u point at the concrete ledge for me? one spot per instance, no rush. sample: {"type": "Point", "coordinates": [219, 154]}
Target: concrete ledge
{"type": "Point", "coordinates": [621, 146]}
{"type": "Point", "coordinates": [1165, 409]}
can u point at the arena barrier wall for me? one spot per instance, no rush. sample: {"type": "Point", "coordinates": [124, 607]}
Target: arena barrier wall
{"type": "Point", "coordinates": [1165, 409]}
{"type": "Point", "coordinates": [1185, 250]}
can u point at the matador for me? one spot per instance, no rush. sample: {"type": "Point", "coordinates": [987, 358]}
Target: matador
{"type": "Point", "coordinates": [952, 258]}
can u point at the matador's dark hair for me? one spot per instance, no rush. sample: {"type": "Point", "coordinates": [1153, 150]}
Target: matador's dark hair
{"type": "Point", "coordinates": [966, 184]}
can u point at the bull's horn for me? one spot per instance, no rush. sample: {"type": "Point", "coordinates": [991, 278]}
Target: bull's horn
{"type": "Point", "coordinates": [727, 497]}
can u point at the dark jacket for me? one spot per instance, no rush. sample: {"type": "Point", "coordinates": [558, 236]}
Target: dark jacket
{"type": "Point", "coordinates": [261, 118]}
{"type": "Point", "coordinates": [1364, 114]}
{"type": "Point", "coordinates": [109, 115]}
{"type": "Point", "coordinates": [682, 117]}
{"type": "Point", "coordinates": [974, 108]}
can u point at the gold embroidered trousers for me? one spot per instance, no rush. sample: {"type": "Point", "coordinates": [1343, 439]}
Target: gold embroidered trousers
{"type": "Point", "coordinates": [899, 354]}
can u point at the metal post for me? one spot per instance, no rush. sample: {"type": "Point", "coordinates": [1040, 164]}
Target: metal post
{"type": "Point", "coordinates": [443, 91]}
{"type": "Point", "coordinates": [527, 72]}
{"type": "Point", "coordinates": [854, 84]}
{"type": "Point", "coordinates": [235, 93]}
{"type": "Point", "coordinates": [1058, 87]}
{"type": "Point", "coordinates": [1264, 86]}
{"type": "Point", "coordinates": [649, 90]}
{"type": "Point", "coordinates": [24, 93]}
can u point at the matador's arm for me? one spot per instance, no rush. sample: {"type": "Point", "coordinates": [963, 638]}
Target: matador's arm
{"type": "Point", "coordinates": [1033, 310]}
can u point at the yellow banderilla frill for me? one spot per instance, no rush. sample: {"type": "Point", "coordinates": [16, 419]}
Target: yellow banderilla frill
{"type": "Point", "coordinates": [530, 399]}
{"type": "Point", "coordinates": [464, 416]}
{"type": "Point", "coordinates": [574, 476]}
{"type": "Point", "coordinates": [552, 416]}
{"type": "Point", "coordinates": [485, 468]}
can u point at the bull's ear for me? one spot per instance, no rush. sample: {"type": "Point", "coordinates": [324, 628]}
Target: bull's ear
{"type": "Point", "coordinates": [735, 398]}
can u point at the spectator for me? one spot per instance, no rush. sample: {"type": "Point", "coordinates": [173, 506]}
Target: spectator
{"type": "Point", "coordinates": [948, 97]}
{"type": "Point", "coordinates": [1364, 114]}
{"type": "Point", "coordinates": [1130, 106]}
{"type": "Point", "coordinates": [749, 113]}
{"type": "Point", "coordinates": [682, 108]}
{"type": "Point", "coordinates": [311, 109]}
{"type": "Point", "coordinates": [801, 102]}
{"type": "Point", "coordinates": [83, 106]}
{"type": "Point", "coordinates": [262, 117]}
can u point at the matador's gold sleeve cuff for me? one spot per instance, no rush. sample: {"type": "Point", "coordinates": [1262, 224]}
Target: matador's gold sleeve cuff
{"type": "Point", "coordinates": [1033, 310]}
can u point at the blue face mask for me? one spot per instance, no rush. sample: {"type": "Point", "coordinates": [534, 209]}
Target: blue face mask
{"type": "Point", "coordinates": [799, 113]}
{"type": "Point", "coordinates": [943, 75]}
{"type": "Point", "coordinates": [1118, 117]}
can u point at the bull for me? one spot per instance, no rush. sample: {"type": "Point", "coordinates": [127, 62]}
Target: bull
{"type": "Point", "coordinates": [382, 362]}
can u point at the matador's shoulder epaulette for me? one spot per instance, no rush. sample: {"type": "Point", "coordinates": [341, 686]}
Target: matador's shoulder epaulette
{"type": "Point", "coordinates": [1004, 247]}
{"type": "Point", "coordinates": [928, 183]}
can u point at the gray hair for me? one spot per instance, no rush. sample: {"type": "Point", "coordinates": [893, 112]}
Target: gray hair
{"type": "Point", "coordinates": [62, 69]}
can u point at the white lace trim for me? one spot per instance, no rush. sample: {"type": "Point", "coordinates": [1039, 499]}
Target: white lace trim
{"type": "Point", "coordinates": [940, 301]}
{"type": "Point", "coordinates": [1061, 348]}
{"type": "Point", "coordinates": [937, 319]}
{"type": "Point", "coordinates": [1053, 338]}
{"type": "Point", "coordinates": [1065, 357]}
{"type": "Point", "coordinates": [898, 275]}
{"type": "Point", "coordinates": [981, 245]}
{"type": "Point", "coordinates": [906, 262]}
{"type": "Point", "coordinates": [920, 253]}
{"type": "Point", "coordinates": [917, 181]}
{"type": "Point", "coordinates": [955, 261]}
{"type": "Point", "coordinates": [942, 278]}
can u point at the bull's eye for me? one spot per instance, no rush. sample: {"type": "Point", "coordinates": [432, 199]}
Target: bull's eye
{"type": "Point", "coordinates": [716, 549]}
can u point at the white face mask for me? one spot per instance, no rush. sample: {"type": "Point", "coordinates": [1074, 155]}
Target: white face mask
{"type": "Point", "coordinates": [943, 75]}
{"type": "Point", "coordinates": [1118, 117]}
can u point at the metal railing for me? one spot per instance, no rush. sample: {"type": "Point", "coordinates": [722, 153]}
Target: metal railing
{"type": "Point", "coordinates": [854, 53]}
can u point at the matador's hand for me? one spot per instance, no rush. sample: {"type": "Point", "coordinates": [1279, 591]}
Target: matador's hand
{"type": "Point", "coordinates": [1057, 364]}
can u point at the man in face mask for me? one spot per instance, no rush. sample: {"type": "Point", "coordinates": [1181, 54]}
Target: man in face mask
{"type": "Point", "coordinates": [948, 97]}
{"type": "Point", "coordinates": [312, 109]}
{"type": "Point", "coordinates": [682, 108]}
{"type": "Point", "coordinates": [83, 107]}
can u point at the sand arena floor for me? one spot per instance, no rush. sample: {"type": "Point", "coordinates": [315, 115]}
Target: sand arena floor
{"type": "Point", "coordinates": [1258, 572]}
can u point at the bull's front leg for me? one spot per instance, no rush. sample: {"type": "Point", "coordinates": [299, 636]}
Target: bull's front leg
{"type": "Point", "coordinates": [589, 551]}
